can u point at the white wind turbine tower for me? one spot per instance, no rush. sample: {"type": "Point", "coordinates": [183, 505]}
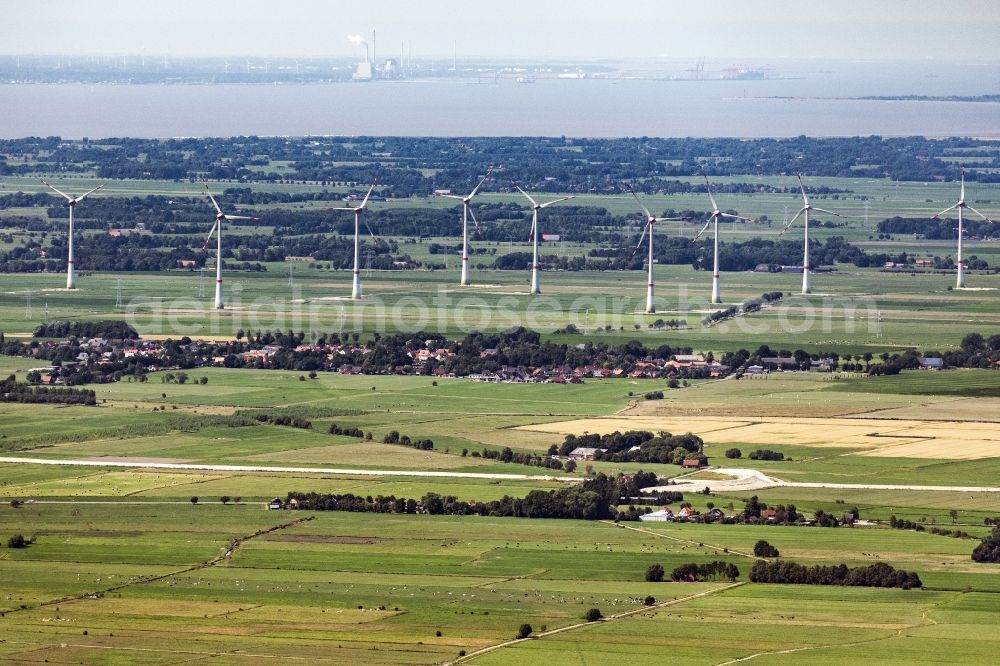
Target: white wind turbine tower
{"type": "Point", "coordinates": [804, 211]}
{"type": "Point", "coordinates": [357, 210]}
{"type": "Point", "coordinates": [220, 217]}
{"type": "Point", "coordinates": [466, 211]}
{"type": "Point", "coordinates": [71, 202]}
{"type": "Point", "coordinates": [535, 232]}
{"type": "Point", "coordinates": [959, 206]}
{"type": "Point", "coordinates": [648, 228]}
{"type": "Point", "coordinates": [713, 220]}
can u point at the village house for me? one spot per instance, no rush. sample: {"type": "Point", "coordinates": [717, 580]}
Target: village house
{"type": "Point", "coordinates": [584, 453]}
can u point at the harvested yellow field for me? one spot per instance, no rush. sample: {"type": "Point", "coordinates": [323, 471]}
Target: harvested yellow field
{"type": "Point", "coordinates": [911, 438]}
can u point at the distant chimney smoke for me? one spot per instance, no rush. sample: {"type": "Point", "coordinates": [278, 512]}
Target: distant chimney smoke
{"type": "Point", "coordinates": [358, 40]}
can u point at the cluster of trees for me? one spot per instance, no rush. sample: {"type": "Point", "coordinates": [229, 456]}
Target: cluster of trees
{"type": "Point", "coordinates": [594, 499]}
{"type": "Point", "coordinates": [988, 550]}
{"type": "Point", "coordinates": [873, 575]}
{"type": "Point", "coordinates": [904, 524]}
{"type": "Point", "coordinates": [766, 454]}
{"type": "Point", "coordinates": [393, 437]}
{"type": "Point", "coordinates": [748, 306]}
{"type": "Point", "coordinates": [693, 572]}
{"type": "Point", "coordinates": [976, 351]}
{"type": "Point", "coordinates": [508, 455]}
{"type": "Point", "coordinates": [350, 432]}
{"type": "Point", "coordinates": [108, 329]}
{"type": "Point", "coordinates": [662, 447]}
{"type": "Point", "coordinates": [935, 229]}
{"type": "Point", "coordinates": [763, 549]}
{"type": "Point", "coordinates": [285, 420]}
{"type": "Point", "coordinates": [573, 164]}
{"type": "Point", "coordinates": [13, 391]}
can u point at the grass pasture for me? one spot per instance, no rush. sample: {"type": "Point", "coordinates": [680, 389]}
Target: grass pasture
{"type": "Point", "coordinates": [378, 589]}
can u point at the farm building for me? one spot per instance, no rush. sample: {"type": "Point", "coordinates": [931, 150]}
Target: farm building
{"type": "Point", "coordinates": [583, 453]}
{"type": "Point", "coordinates": [661, 516]}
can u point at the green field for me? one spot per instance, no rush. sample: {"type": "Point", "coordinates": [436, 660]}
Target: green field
{"type": "Point", "coordinates": [124, 568]}
{"type": "Point", "coordinates": [378, 589]}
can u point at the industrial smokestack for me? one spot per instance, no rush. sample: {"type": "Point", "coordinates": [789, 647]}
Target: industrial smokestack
{"type": "Point", "coordinates": [358, 40]}
{"type": "Point", "coordinates": [374, 59]}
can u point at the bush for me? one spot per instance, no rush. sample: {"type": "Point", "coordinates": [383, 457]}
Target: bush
{"type": "Point", "coordinates": [524, 631]}
{"type": "Point", "coordinates": [654, 395]}
{"type": "Point", "coordinates": [593, 615]}
{"type": "Point", "coordinates": [734, 453]}
{"type": "Point", "coordinates": [17, 541]}
{"type": "Point", "coordinates": [225, 499]}
{"type": "Point", "coordinates": [649, 601]}
{"type": "Point", "coordinates": [764, 549]}
{"type": "Point", "coordinates": [15, 504]}
{"type": "Point", "coordinates": [194, 499]}
{"type": "Point", "coordinates": [654, 573]}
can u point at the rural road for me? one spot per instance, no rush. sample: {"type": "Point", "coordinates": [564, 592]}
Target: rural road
{"type": "Point", "coordinates": [752, 479]}
{"type": "Point", "coordinates": [193, 467]}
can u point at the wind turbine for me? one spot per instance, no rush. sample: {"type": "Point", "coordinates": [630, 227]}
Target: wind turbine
{"type": "Point", "coordinates": [713, 220]}
{"type": "Point", "coordinates": [648, 228]}
{"type": "Point", "coordinates": [804, 211]}
{"type": "Point", "coordinates": [466, 211]}
{"type": "Point", "coordinates": [71, 202]}
{"type": "Point", "coordinates": [220, 217]}
{"type": "Point", "coordinates": [959, 206]}
{"type": "Point", "coordinates": [357, 210]}
{"type": "Point", "coordinates": [535, 207]}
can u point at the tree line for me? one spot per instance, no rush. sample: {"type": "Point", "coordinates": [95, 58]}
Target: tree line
{"type": "Point", "coordinates": [879, 574]}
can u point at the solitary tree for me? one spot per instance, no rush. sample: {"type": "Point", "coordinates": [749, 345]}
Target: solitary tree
{"type": "Point", "coordinates": [593, 615]}
{"type": "Point", "coordinates": [224, 499]}
{"type": "Point", "coordinates": [654, 573]}
{"type": "Point", "coordinates": [524, 630]}
{"type": "Point", "coordinates": [194, 499]}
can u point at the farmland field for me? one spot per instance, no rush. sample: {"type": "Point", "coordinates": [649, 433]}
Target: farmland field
{"type": "Point", "coordinates": [150, 540]}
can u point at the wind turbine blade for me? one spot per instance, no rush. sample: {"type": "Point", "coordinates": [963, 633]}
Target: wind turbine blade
{"type": "Point", "coordinates": [87, 194]}
{"type": "Point", "coordinates": [978, 213]}
{"type": "Point", "coordinates": [450, 196]}
{"type": "Point", "coordinates": [636, 196]}
{"type": "Point", "coordinates": [708, 186]}
{"type": "Point", "coordinates": [669, 219]}
{"type": "Point", "coordinates": [802, 187]}
{"type": "Point", "coordinates": [214, 202]}
{"type": "Point", "coordinates": [829, 212]}
{"type": "Point", "coordinates": [473, 214]}
{"type": "Point", "coordinates": [68, 197]}
{"type": "Point", "coordinates": [737, 217]}
{"type": "Point", "coordinates": [239, 217]}
{"type": "Point", "coordinates": [704, 228]}
{"type": "Point", "coordinates": [962, 196]}
{"type": "Point", "coordinates": [485, 178]}
{"type": "Point", "coordinates": [549, 203]}
{"type": "Point", "coordinates": [212, 231]}
{"type": "Point", "coordinates": [645, 228]}
{"type": "Point", "coordinates": [792, 221]}
{"type": "Point", "coordinates": [374, 182]}
{"type": "Point", "coordinates": [533, 202]}
{"type": "Point", "coordinates": [936, 216]}
{"type": "Point", "coordinates": [534, 228]}
{"type": "Point", "coordinates": [372, 233]}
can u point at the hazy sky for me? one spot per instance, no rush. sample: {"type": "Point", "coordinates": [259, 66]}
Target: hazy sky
{"type": "Point", "coordinates": [730, 29]}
